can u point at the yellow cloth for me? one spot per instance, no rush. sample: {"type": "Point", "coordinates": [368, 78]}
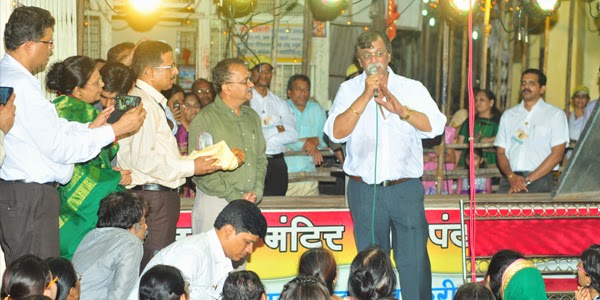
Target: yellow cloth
{"type": "Point", "coordinates": [225, 158]}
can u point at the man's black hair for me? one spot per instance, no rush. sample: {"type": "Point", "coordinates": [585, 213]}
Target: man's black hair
{"type": "Point", "coordinates": [121, 210]}
{"type": "Point", "coordinates": [244, 216]}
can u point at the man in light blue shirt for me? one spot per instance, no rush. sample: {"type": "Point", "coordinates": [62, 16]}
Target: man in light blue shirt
{"type": "Point", "coordinates": [310, 119]}
{"type": "Point", "coordinates": [108, 258]}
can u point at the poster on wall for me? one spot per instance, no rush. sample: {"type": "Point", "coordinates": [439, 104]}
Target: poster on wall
{"type": "Point", "coordinates": [260, 41]}
{"type": "Point", "coordinates": [187, 75]}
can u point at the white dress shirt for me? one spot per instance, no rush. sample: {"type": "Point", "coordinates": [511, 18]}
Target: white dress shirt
{"type": "Point", "coordinates": [41, 147]}
{"type": "Point", "coordinates": [152, 154]}
{"type": "Point", "coordinates": [108, 260]}
{"type": "Point", "coordinates": [544, 126]}
{"type": "Point", "coordinates": [2, 152]}
{"type": "Point", "coordinates": [201, 260]}
{"type": "Point", "coordinates": [399, 147]}
{"type": "Point", "coordinates": [273, 111]}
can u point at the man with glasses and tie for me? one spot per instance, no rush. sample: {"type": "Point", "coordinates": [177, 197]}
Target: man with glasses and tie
{"type": "Point", "coordinates": [152, 155]}
{"type": "Point", "coordinates": [382, 116]}
{"type": "Point", "coordinates": [228, 119]}
{"type": "Point", "coordinates": [205, 91]}
{"type": "Point", "coordinates": [278, 124]}
{"type": "Point", "coordinates": [41, 148]}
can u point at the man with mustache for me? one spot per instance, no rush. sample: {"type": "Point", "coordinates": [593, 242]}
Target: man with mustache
{"type": "Point", "coordinates": [152, 155]}
{"type": "Point", "coordinates": [531, 139]}
{"type": "Point", "coordinates": [382, 117]}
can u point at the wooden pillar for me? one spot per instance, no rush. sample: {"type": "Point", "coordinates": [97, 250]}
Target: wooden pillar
{"type": "Point", "coordinates": [307, 40]}
{"type": "Point", "coordinates": [486, 36]}
{"type": "Point", "coordinates": [450, 43]}
{"type": "Point", "coordinates": [463, 67]}
{"type": "Point", "coordinates": [441, 150]}
{"type": "Point", "coordinates": [276, 18]}
{"type": "Point", "coordinates": [569, 56]}
{"type": "Point", "coordinates": [439, 62]}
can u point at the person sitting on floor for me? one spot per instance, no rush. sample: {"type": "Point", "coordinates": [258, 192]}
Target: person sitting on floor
{"type": "Point", "coordinates": [243, 285]}
{"type": "Point", "coordinates": [109, 255]}
{"type": "Point", "coordinates": [206, 258]}
{"type": "Point", "coordinates": [163, 282]}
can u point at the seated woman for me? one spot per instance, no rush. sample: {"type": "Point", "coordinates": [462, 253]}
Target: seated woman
{"type": "Point", "coordinates": [588, 274]}
{"type": "Point", "coordinates": [320, 263]}
{"type": "Point", "coordinates": [163, 282]}
{"type": "Point", "coordinates": [27, 276]}
{"type": "Point", "coordinates": [305, 288]}
{"type": "Point", "coordinates": [78, 84]}
{"type": "Point", "coordinates": [511, 277]}
{"type": "Point", "coordinates": [69, 285]}
{"type": "Point", "coordinates": [371, 275]}
{"type": "Point", "coordinates": [473, 290]}
{"type": "Point", "coordinates": [485, 128]}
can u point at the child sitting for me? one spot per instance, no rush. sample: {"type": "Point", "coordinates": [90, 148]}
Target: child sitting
{"type": "Point", "coordinates": [482, 184]}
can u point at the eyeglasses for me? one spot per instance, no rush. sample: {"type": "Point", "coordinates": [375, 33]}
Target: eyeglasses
{"type": "Point", "coordinates": [98, 82]}
{"type": "Point", "coordinates": [246, 81]}
{"type": "Point", "coordinates": [368, 55]}
{"type": "Point", "coordinates": [196, 106]}
{"type": "Point", "coordinates": [298, 90]}
{"type": "Point", "coordinates": [206, 91]}
{"type": "Point", "coordinates": [266, 71]}
{"type": "Point", "coordinates": [50, 43]}
{"type": "Point", "coordinates": [52, 282]}
{"type": "Point", "coordinates": [78, 276]}
{"type": "Point", "coordinates": [580, 267]}
{"type": "Point", "coordinates": [171, 66]}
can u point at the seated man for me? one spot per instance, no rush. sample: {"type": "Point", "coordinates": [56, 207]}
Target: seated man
{"type": "Point", "coordinates": [310, 119]}
{"type": "Point", "coordinates": [206, 259]}
{"type": "Point", "coordinates": [109, 257]}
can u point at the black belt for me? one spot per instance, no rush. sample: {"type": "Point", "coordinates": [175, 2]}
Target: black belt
{"type": "Point", "coordinates": [383, 183]}
{"type": "Point", "coordinates": [522, 173]}
{"type": "Point", "coordinates": [153, 188]}
{"type": "Point", "coordinates": [280, 155]}
{"type": "Point", "coordinates": [53, 184]}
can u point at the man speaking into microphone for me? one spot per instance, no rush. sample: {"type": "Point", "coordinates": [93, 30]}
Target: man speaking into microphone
{"type": "Point", "coordinates": [385, 159]}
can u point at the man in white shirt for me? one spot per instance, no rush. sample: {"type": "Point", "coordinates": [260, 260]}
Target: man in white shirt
{"type": "Point", "coordinates": [206, 259]}
{"type": "Point", "coordinates": [531, 139]}
{"type": "Point", "coordinates": [41, 148]}
{"type": "Point", "coordinates": [108, 258]}
{"type": "Point", "coordinates": [7, 120]}
{"type": "Point", "coordinates": [382, 118]}
{"type": "Point", "coordinates": [152, 155]}
{"type": "Point", "coordinates": [278, 124]}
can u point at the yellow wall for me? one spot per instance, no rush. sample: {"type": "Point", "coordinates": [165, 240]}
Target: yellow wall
{"type": "Point", "coordinates": [586, 55]}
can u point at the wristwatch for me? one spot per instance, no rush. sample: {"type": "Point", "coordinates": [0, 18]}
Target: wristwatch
{"type": "Point", "coordinates": [527, 181]}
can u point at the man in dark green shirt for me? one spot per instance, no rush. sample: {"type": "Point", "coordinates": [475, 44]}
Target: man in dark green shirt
{"type": "Point", "coordinates": [228, 119]}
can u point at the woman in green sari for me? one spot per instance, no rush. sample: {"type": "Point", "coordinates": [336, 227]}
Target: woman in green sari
{"type": "Point", "coordinates": [511, 277]}
{"type": "Point", "coordinates": [487, 122]}
{"type": "Point", "coordinates": [78, 84]}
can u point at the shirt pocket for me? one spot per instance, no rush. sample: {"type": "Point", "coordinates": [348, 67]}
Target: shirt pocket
{"type": "Point", "coordinates": [540, 135]}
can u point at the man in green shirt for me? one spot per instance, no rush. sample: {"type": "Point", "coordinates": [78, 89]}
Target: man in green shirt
{"type": "Point", "coordinates": [229, 120]}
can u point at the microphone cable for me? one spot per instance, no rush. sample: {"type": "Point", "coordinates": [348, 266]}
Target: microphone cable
{"type": "Point", "coordinates": [375, 175]}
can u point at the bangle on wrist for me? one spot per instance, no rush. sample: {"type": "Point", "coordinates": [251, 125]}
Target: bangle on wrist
{"type": "Point", "coordinates": [405, 118]}
{"type": "Point", "coordinates": [511, 176]}
{"type": "Point", "coordinates": [354, 111]}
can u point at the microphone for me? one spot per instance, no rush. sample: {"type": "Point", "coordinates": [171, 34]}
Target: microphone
{"type": "Point", "coordinates": [372, 69]}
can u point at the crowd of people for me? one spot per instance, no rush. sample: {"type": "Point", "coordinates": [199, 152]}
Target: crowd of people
{"type": "Point", "coordinates": [96, 189]}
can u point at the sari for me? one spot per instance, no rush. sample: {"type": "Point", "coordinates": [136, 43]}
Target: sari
{"type": "Point", "coordinates": [483, 128]}
{"type": "Point", "coordinates": [522, 281]}
{"type": "Point", "coordinates": [91, 182]}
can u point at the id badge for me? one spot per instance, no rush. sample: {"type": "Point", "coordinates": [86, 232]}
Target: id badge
{"type": "Point", "coordinates": [520, 135]}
